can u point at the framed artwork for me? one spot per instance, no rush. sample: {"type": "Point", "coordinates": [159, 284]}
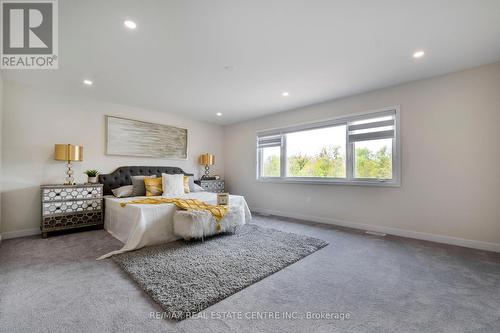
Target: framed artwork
{"type": "Point", "coordinates": [130, 137]}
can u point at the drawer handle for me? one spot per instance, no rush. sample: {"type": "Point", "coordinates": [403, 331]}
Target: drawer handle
{"type": "Point", "coordinates": [58, 194]}
{"type": "Point", "coordinates": [90, 192]}
{"type": "Point", "coordinates": [58, 208]}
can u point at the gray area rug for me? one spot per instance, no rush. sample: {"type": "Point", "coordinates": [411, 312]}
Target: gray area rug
{"type": "Point", "coordinates": [187, 277]}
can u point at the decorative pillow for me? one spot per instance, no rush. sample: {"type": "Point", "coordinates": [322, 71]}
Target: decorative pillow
{"type": "Point", "coordinates": [138, 184]}
{"type": "Point", "coordinates": [173, 185]}
{"type": "Point", "coordinates": [186, 184]}
{"type": "Point", "coordinates": [123, 192]}
{"type": "Point", "coordinates": [197, 188]}
{"type": "Point", "coordinates": [153, 186]}
{"type": "Point", "coordinates": [191, 183]}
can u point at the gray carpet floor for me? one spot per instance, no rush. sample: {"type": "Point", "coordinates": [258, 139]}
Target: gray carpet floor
{"type": "Point", "coordinates": [386, 284]}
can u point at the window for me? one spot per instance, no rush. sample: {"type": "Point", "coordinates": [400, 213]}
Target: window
{"type": "Point", "coordinates": [269, 150]}
{"type": "Point", "coordinates": [361, 149]}
{"type": "Point", "coordinates": [316, 153]}
{"type": "Point", "coordinates": [271, 161]}
{"type": "Point", "coordinates": [373, 159]}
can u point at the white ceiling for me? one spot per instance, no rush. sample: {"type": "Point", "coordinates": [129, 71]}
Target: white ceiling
{"type": "Point", "coordinates": [315, 49]}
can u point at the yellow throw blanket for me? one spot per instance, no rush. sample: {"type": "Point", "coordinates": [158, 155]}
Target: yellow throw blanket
{"type": "Point", "coordinates": [218, 212]}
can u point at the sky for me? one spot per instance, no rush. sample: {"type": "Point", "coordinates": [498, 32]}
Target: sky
{"type": "Point", "coordinates": [310, 142]}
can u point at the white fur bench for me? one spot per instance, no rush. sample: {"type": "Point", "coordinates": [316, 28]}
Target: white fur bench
{"type": "Point", "coordinates": [190, 224]}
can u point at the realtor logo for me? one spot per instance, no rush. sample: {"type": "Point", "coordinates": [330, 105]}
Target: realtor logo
{"type": "Point", "coordinates": [29, 34]}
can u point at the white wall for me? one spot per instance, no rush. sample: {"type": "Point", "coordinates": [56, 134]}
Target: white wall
{"type": "Point", "coordinates": [35, 120]}
{"type": "Point", "coordinates": [450, 133]}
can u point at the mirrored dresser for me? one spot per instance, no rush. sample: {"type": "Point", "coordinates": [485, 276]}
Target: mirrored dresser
{"type": "Point", "coordinates": [71, 206]}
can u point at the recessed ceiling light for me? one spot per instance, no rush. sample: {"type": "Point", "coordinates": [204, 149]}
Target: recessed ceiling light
{"type": "Point", "coordinates": [130, 24]}
{"type": "Point", "coordinates": [285, 94]}
{"type": "Point", "coordinates": [87, 82]}
{"type": "Point", "coordinates": [218, 114]}
{"type": "Point", "coordinates": [418, 54]}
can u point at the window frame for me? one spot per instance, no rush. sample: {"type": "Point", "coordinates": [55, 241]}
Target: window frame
{"type": "Point", "coordinates": [330, 122]}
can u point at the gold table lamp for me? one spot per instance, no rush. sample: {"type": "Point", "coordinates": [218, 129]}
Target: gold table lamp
{"type": "Point", "coordinates": [207, 160]}
{"type": "Point", "coordinates": [69, 153]}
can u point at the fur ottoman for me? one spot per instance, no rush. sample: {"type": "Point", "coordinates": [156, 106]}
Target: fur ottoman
{"type": "Point", "coordinates": [190, 224]}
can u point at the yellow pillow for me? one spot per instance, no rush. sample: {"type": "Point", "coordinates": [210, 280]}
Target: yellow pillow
{"type": "Point", "coordinates": [186, 184]}
{"type": "Point", "coordinates": [153, 186]}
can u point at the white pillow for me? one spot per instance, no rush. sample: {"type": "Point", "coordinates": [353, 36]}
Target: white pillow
{"type": "Point", "coordinates": [197, 188]}
{"type": "Point", "coordinates": [173, 185]}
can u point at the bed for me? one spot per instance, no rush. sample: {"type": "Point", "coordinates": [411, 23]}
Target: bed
{"type": "Point", "coordinates": [137, 225]}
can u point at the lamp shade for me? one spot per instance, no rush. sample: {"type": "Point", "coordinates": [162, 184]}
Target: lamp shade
{"type": "Point", "coordinates": [67, 152]}
{"type": "Point", "coordinates": [207, 159]}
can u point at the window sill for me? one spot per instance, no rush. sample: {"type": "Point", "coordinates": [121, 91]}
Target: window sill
{"type": "Point", "coordinates": [316, 181]}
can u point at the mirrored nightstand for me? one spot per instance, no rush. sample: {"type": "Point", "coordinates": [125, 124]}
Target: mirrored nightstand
{"type": "Point", "coordinates": [216, 186]}
{"type": "Point", "coordinates": [71, 206]}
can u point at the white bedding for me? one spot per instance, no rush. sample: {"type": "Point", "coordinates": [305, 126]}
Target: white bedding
{"type": "Point", "coordinates": [142, 225]}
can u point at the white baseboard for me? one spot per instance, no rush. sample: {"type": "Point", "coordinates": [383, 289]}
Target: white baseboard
{"type": "Point", "coordinates": [19, 233]}
{"type": "Point", "coordinates": [474, 244]}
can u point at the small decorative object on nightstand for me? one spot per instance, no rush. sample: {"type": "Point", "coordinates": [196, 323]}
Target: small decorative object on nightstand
{"type": "Point", "coordinates": [222, 198]}
{"type": "Point", "coordinates": [71, 206]}
{"type": "Point", "coordinates": [92, 176]}
{"type": "Point", "coordinates": [216, 186]}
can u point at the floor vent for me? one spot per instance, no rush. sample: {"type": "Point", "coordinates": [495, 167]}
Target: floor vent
{"type": "Point", "coordinates": [374, 233]}
{"type": "Point", "coordinates": [263, 214]}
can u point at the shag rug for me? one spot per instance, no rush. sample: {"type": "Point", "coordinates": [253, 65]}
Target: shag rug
{"type": "Point", "coordinates": [187, 277]}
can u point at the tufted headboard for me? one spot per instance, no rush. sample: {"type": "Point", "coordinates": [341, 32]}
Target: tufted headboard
{"type": "Point", "coordinates": [121, 176]}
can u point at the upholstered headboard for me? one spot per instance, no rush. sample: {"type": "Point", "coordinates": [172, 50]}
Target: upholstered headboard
{"type": "Point", "coordinates": [121, 176]}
